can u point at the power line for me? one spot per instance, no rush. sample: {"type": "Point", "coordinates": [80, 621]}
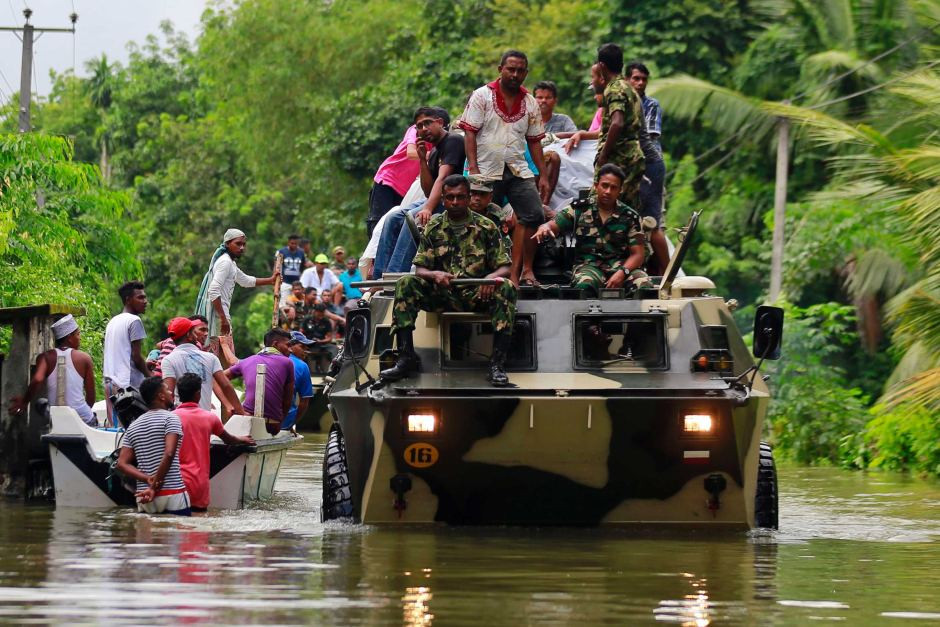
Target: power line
{"type": "Point", "coordinates": [832, 80]}
{"type": "Point", "coordinates": [3, 76]}
{"type": "Point", "coordinates": [874, 87]}
{"type": "Point", "coordinates": [35, 77]}
{"type": "Point", "coordinates": [863, 65]}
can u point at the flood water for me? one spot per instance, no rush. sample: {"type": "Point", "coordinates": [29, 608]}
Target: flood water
{"type": "Point", "coordinates": [853, 547]}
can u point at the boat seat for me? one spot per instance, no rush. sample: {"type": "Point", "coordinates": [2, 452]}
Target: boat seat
{"type": "Point", "coordinates": [246, 425]}
{"type": "Point", "coordinates": [66, 421]}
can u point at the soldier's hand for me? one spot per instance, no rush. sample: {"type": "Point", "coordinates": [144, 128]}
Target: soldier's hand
{"type": "Point", "coordinates": [423, 216]}
{"type": "Point", "coordinates": [442, 278]}
{"type": "Point", "coordinates": [542, 233]}
{"type": "Point", "coordinates": [616, 280]}
{"type": "Point", "coordinates": [510, 221]}
{"type": "Point", "coordinates": [485, 292]}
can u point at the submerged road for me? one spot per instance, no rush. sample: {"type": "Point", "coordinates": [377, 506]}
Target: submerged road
{"type": "Point", "coordinates": [854, 548]}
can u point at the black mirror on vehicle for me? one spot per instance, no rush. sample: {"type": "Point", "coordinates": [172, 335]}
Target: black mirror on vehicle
{"type": "Point", "coordinates": [768, 332]}
{"type": "Point", "coordinates": [358, 324]}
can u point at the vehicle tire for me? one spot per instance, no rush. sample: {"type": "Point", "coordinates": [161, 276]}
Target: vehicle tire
{"type": "Point", "coordinates": [765, 502]}
{"type": "Point", "coordinates": [337, 496]}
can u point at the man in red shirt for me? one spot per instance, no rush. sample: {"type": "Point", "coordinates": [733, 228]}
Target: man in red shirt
{"type": "Point", "coordinates": [198, 426]}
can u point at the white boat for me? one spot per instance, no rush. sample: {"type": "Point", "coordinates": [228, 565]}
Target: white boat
{"type": "Point", "coordinates": [82, 457]}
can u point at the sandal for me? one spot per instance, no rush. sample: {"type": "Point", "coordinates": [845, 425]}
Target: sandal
{"type": "Point", "coordinates": [529, 282]}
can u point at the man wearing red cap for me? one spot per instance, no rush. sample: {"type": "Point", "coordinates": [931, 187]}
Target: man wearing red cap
{"type": "Point", "coordinates": [187, 357]}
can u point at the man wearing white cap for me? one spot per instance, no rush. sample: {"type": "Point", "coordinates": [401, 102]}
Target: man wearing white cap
{"type": "Point", "coordinates": [215, 294]}
{"type": "Point", "coordinates": [79, 373]}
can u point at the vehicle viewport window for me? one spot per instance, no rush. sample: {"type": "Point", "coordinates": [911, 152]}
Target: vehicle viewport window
{"type": "Point", "coordinates": [383, 340]}
{"type": "Point", "coordinates": [469, 343]}
{"type": "Point", "coordinates": [620, 341]}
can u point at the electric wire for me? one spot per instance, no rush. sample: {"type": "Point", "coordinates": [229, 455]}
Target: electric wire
{"type": "Point", "coordinates": [863, 65]}
{"type": "Point", "coordinates": [832, 80]}
{"type": "Point", "coordinates": [73, 40]}
{"type": "Point", "coordinates": [35, 76]}
{"type": "Point", "coordinates": [867, 90]}
{"type": "Point", "coordinates": [4, 77]}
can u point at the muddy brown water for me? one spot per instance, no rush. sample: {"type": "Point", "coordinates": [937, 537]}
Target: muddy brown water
{"type": "Point", "coordinates": [853, 547]}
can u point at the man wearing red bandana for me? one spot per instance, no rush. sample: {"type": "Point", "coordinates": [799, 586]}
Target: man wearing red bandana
{"type": "Point", "coordinates": [500, 120]}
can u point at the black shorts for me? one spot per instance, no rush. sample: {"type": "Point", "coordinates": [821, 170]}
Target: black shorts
{"type": "Point", "coordinates": [523, 195]}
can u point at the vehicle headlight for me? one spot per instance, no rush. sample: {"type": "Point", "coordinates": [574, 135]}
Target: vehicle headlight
{"type": "Point", "coordinates": [697, 423]}
{"type": "Point", "coordinates": [421, 423]}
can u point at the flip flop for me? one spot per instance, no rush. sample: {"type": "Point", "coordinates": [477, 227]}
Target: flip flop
{"type": "Point", "coordinates": [530, 282]}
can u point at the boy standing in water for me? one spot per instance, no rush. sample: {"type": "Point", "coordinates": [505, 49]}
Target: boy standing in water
{"type": "Point", "coordinates": [150, 454]}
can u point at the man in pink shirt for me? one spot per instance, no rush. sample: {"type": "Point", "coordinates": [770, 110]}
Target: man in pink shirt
{"type": "Point", "coordinates": [393, 178]}
{"type": "Point", "coordinates": [198, 426]}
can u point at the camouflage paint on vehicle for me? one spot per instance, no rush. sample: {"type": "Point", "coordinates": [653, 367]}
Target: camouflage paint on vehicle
{"type": "Point", "coordinates": [569, 444]}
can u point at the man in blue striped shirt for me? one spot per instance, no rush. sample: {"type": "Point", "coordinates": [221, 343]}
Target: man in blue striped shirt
{"type": "Point", "coordinates": [150, 453]}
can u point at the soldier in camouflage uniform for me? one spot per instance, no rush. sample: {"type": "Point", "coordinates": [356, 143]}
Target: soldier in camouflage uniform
{"type": "Point", "coordinates": [622, 124]}
{"type": "Point", "coordinates": [481, 197]}
{"type": "Point", "coordinates": [610, 244]}
{"type": "Point", "coordinates": [456, 244]}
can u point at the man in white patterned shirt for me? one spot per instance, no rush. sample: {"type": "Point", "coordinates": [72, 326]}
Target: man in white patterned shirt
{"type": "Point", "coordinates": [500, 120]}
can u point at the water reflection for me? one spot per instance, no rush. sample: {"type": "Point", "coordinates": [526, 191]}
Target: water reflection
{"type": "Point", "coordinates": [845, 553]}
{"type": "Point", "coordinates": [691, 611]}
{"type": "Point", "coordinates": [417, 607]}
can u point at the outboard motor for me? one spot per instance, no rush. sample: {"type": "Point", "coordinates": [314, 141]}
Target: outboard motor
{"type": "Point", "coordinates": [129, 403]}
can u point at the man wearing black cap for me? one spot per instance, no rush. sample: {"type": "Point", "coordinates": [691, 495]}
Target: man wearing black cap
{"type": "Point", "coordinates": [79, 374]}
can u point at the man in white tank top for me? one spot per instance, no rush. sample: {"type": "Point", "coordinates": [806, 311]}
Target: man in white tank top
{"type": "Point", "coordinates": [78, 375]}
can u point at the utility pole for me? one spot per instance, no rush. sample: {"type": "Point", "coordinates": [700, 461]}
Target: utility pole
{"type": "Point", "coordinates": [780, 207]}
{"type": "Point", "coordinates": [26, 67]}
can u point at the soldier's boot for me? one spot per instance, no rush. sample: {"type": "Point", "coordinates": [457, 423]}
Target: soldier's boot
{"type": "Point", "coordinates": [502, 340]}
{"type": "Point", "coordinates": [407, 359]}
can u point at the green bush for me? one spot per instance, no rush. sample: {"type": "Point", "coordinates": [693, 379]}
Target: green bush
{"type": "Point", "coordinates": [813, 410]}
{"type": "Point", "coordinates": [905, 438]}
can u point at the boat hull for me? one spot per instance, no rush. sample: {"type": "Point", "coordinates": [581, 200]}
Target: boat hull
{"type": "Point", "coordinates": [81, 459]}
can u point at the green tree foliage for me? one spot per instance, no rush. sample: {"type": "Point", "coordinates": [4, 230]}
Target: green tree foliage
{"type": "Point", "coordinates": [814, 406]}
{"type": "Point", "coordinates": [62, 233]}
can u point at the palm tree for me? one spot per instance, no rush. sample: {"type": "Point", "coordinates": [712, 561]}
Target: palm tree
{"type": "Point", "coordinates": [894, 170]}
{"type": "Point", "coordinates": [100, 88]}
{"type": "Point", "coordinates": [829, 40]}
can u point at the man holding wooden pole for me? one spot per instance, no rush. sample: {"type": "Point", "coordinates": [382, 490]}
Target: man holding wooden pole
{"type": "Point", "coordinates": [278, 264]}
{"type": "Point", "coordinates": [215, 294]}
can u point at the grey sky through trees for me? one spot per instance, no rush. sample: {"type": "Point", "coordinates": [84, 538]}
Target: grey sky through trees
{"type": "Point", "coordinates": [104, 26]}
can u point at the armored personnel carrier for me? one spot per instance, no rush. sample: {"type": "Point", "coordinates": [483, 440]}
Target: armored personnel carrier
{"type": "Point", "coordinates": [641, 408]}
